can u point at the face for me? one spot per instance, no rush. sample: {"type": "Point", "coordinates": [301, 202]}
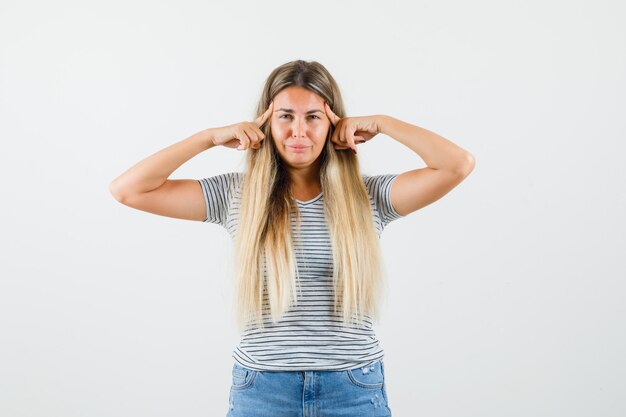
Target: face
{"type": "Point", "coordinates": [299, 126]}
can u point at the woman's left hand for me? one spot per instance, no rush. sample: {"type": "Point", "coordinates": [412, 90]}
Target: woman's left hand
{"type": "Point", "coordinates": [350, 131]}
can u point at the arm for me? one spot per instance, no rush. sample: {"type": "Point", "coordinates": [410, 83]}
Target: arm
{"type": "Point", "coordinates": [145, 186]}
{"type": "Point", "coordinates": [153, 171]}
{"type": "Point", "coordinates": [448, 164]}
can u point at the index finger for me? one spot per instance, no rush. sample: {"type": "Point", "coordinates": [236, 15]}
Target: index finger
{"type": "Point", "coordinates": [263, 118]}
{"type": "Point", "coordinates": [334, 119]}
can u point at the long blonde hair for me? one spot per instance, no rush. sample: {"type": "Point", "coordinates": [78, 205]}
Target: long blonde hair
{"type": "Point", "coordinates": [264, 249]}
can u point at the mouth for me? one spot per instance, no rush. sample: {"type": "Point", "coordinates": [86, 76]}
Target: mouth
{"type": "Point", "coordinates": [297, 147]}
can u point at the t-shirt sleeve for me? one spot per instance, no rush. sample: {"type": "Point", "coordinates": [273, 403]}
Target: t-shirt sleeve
{"type": "Point", "coordinates": [217, 191]}
{"type": "Point", "coordinates": [379, 187]}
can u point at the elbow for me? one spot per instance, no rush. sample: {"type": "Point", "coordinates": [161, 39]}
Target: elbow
{"type": "Point", "coordinates": [115, 192]}
{"type": "Point", "coordinates": [467, 166]}
{"type": "Point", "coordinates": [471, 162]}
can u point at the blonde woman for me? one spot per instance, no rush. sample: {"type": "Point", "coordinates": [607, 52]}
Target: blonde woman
{"type": "Point", "coordinates": [305, 224]}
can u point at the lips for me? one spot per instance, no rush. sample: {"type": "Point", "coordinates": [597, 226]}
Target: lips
{"type": "Point", "coordinates": [298, 149]}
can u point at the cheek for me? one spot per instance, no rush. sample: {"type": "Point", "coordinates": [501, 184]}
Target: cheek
{"type": "Point", "coordinates": [324, 127]}
{"type": "Point", "coordinates": [278, 131]}
{"type": "Point", "coordinates": [322, 132]}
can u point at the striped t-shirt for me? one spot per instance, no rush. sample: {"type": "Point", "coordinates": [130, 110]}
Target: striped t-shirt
{"type": "Point", "coordinates": [310, 336]}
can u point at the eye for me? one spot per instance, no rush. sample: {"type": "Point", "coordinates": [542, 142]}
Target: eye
{"type": "Point", "coordinates": [288, 115]}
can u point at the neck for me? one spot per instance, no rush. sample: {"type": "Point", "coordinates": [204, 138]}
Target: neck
{"type": "Point", "coordinates": [306, 178]}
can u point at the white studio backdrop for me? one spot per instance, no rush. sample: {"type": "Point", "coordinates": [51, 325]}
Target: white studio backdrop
{"type": "Point", "coordinates": [506, 296]}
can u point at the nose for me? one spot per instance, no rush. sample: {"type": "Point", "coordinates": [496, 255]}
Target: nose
{"type": "Point", "coordinates": [298, 129]}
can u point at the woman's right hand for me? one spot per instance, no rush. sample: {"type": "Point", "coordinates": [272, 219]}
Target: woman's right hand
{"type": "Point", "coordinates": [242, 135]}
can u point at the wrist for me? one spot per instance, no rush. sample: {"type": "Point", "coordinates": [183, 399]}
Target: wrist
{"type": "Point", "coordinates": [382, 121]}
{"type": "Point", "coordinates": [206, 137]}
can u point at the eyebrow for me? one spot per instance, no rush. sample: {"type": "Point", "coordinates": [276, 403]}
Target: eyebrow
{"type": "Point", "coordinates": [291, 111]}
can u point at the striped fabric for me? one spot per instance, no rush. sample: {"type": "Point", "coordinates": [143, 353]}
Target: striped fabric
{"type": "Point", "coordinates": [309, 336]}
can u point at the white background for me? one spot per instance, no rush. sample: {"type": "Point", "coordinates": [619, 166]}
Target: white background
{"type": "Point", "coordinates": [506, 296]}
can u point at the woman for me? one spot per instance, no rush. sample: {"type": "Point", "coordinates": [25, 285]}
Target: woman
{"type": "Point", "coordinates": [305, 224]}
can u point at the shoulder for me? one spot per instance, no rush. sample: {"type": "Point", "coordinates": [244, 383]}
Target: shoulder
{"type": "Point", "coordinates": [378, 182]}
{"type": "Point", "coordinates": [379, 188]}
{"type": "Point", "coordinates": [223, 181]}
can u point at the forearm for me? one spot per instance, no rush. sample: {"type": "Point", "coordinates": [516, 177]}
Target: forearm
{"type": "Point", "coordinates": [435, 150]}
{"type": "Point", "coordinates": [153, 171]}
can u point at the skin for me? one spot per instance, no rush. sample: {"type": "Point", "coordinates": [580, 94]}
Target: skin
{"type": "Point", "coordinates": [299, 128]}
{"type": "Point", "coordinates": [147, 186]}
{"type": "Point", "coordinates": [448, 164]}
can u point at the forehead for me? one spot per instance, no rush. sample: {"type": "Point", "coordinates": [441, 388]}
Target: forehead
{"type": "Point", "coordinates": [298, 98]}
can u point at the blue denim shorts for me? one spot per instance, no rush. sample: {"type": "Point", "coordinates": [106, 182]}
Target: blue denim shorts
{"type": "Point", "coordinates": [358, 392]}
